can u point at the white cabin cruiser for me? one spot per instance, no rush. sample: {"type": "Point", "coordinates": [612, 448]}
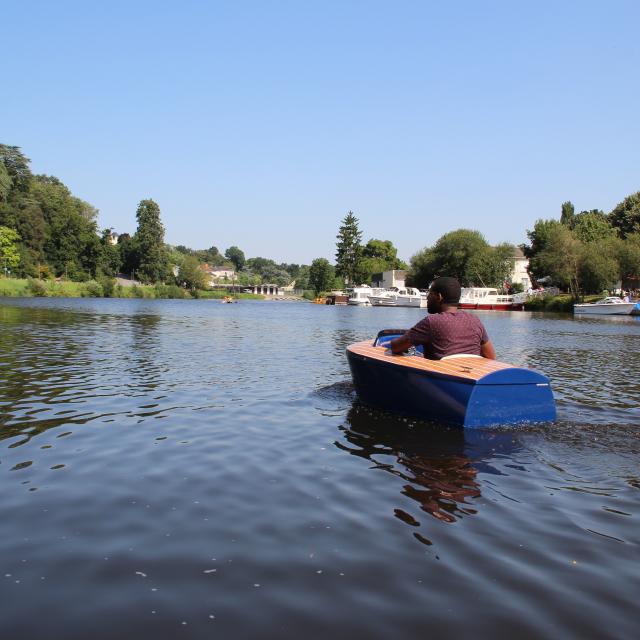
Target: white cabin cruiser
{"type": "Point", "coordinates": [487, 298]}
{"type": "Point", "coordinates": [607, 306]}
{"type": "Point", "coordinates": [398, 297]}
{"type": "Point", "coordinates": [359, 296]}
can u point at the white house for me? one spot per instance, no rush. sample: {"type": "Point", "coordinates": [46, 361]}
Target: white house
{"type": "Point", "coordinates": [218, 275]}
{"type": "Point", "coordinates": [519, 273]}
{"type": "Point", "coordinates": [388, 279]}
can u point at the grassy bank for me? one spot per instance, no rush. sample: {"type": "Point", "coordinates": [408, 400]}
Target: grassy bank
{"type": "Point", "coordinates": [103, 288]}
{"type": "Point", "coordinates": [563, 302]}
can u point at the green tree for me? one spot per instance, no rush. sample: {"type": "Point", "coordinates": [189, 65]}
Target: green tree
{"type": "Point", "coordinates": [72, 246]}
{"type": "Point", "coordinates": [5, 183]}
{"type": "Point", "coordinates": [625, 217]}
{"type": "Point", "coordinates": [490, 266]}
{"type": "Point", "coordinates": [191, 275]}
{"type": "Point", "coordinates": [377, 256]}
{"type": "Point", "coordinates": [348, 249]}
{"type": "Point", "coordinates": [560, 258]}
{"type": "Point", "coordinates": [9, 253]}
{"type": "Point", "coordinates": [567, 217]}
{"type": "Point", "coordinates": [590, 226]}
{"type": "Point", "coordinates": [236, 256]}
{"type": "Point", "coordinates": [628, 253]}
{"type": "Point", "coordinates": [449, 257]}
{"type": "Point", "coordinates": [149, 238]}
{"type": "Point", "coordinates": [110, 260]}
{"type": "Point", "coordinates": [598, 267]}
{"type": "Point", "coordinates": [302, 277]}
{"type": "Point", "coordinates": [17, 166]}
{"type": "Point", "coordinates": [129, 256]}
{"type": "Point", "coordinates": [539, 239]}
{"type": "Point", "coordinates": [321, 275]}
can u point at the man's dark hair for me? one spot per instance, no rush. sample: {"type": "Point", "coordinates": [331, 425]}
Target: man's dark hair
{"type": "Point", "coordinates": [449, 288]}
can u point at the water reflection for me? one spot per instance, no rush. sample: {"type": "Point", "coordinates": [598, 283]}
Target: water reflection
{"type": "Point", "coordinates": [439, 464]}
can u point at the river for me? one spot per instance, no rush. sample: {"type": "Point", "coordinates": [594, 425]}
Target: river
{"type": "Point", "coordinates": [191, 469]}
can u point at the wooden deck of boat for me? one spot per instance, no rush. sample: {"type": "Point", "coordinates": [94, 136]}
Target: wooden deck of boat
{"type": "Point", "coordinates": [467, 368]}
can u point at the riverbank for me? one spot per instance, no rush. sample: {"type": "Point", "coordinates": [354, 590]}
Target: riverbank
{"type": "Point", "coordinates": [106, 288]}
{"type": "Point", "coordinates": [560, 303]}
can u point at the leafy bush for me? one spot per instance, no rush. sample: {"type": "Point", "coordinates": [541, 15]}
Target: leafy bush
{"type": "Point", "coordinates": [37, 288]}
{"type": "Point", "coordinates": [92, 289]}
{"type": "Point", "coordinates": [136, 291]}
{"type": "Point", "coordinates": [108, 285]}
{"type": "Point", "coordinates": [549, 303]}
{"type": "Point", "coordinates": [169, 291]}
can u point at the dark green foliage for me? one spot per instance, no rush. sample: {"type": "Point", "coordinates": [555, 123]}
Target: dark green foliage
{"type": "Point", "coordinates": [598, 266]}
{"type": "Point", "coordinates": [191, 275]}
{"type": "Point", "coordinates": [92, 289]}
{"type": "Point", "coordinates": [152, 266]}
{"type": "Point", "coordinates": [37, 288]}
{"type": "Point", "coordinates": [465, 255]}
{"type": "Point", "coordinates": [110, 256]}
{"type": "Point", "coordinates": [567, 217]}
{"type": "Point", "coordinates": [562, 303]}
{"type": "Point", "coordinates": [302, 277]}
{"type": "Point", "coordinates": [236, 256]}
{"type": "Point", "coordinates": [5, 183]}
{"type": "Point", "coordinates": [625, 217]}
{"type": "Point", "coordinates": [377, 256]}
{"type": "Point", "coordinates": [349, 249]}
{"type": "Point", "coordinates": [108, 286]}
{"type": "Point", "coordinates": [321, 275]}
{"type": "Point", "coordinates": [129, 258]}
{"type": "Point", "coordinates": [172, 291]}
{"type": "Point", "coordinates": [268, 271]}
{"type": "Point", "coordinates": [16, 165]}
{"type": "Point", "coordinates": [590, 226]}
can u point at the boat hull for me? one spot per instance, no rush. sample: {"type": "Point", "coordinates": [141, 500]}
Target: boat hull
{"type": "Point", "coordinates": [505, 306]}
{"type": "Point", "coordinates": [623, 309]}
{"type": "Point", "coordinates": [382, 301]}
{"type": "Point", "coordinates": [469, 391]}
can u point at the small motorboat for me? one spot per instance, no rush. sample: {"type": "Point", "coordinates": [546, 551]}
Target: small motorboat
{"type": "Point", "coordinates": [465, 390]}
{"type": "Point", "coordinates": [605, 307]}
{"type": "Point", "coordinates": [398, 297]}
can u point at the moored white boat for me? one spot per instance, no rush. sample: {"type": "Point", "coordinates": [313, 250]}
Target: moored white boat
{"type": "Point", "coordinates": [487, 298]}
{"type": "Point", "coordinates": [359, 296]}
{"type": "Point", "coordinates": [398, 297]}
{"type": "Point", "coordinates": [605, 307]}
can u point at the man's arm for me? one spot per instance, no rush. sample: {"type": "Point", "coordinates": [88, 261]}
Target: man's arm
{"type": "Point", "coordinates": [487, 350]}
{"type": "Point", "coordinates": [400, 345]}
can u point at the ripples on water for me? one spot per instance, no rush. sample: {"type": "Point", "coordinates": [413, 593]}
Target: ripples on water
{"type": "Point", "coordinates": [177, 468]}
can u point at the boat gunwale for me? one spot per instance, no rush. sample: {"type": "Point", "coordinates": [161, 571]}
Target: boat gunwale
{"type": "Point", "coordinates": [463, 370]}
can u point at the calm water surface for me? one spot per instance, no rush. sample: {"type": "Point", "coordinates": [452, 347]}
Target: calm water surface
{"type": "Point", "coordinates": [190, 469]}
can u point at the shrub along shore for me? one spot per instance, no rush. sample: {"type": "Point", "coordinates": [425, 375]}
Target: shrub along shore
{"type": "Point", "coordinates": [104, 288]}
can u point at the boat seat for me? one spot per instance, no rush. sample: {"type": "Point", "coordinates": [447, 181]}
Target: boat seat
{"type": "Point", "coordinates": [461, 355]}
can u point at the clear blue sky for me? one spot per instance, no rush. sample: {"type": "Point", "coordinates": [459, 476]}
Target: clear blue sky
{"type": "Point", "coordinates": [262, 123]}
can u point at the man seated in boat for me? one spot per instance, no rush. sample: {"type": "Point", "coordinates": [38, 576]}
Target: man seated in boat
{"type": "Point", "coordinates": [447, 330]}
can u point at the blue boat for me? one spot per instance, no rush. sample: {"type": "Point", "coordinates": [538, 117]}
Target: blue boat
{"type": "Point", "coordinates": [465, 390]}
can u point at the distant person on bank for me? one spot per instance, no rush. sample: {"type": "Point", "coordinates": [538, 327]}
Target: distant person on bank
{"type": "Point", "coordinates": [446, 331]}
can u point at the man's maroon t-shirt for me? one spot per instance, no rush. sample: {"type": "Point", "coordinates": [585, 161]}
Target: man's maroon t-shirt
{"type": "Point", "coordinates": [447, 333]}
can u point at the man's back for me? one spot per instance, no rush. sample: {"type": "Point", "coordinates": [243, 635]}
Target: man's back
{"type": "Point", "coordinates": [447, 333]}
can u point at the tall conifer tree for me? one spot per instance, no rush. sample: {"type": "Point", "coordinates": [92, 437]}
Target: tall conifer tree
{"type": "Point", "coordinates": [348, 248]}
{"type": "Point", "coordinates": [152, 265]}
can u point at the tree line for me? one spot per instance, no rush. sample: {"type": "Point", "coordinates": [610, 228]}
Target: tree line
{"type": "Point", "coordinates": [589, 251]}
{"type": "Point", "coordinates": [47, 232]}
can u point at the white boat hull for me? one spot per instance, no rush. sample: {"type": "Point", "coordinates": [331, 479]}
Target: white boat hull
{"type": "Point", "coordinates": [623, 309]}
